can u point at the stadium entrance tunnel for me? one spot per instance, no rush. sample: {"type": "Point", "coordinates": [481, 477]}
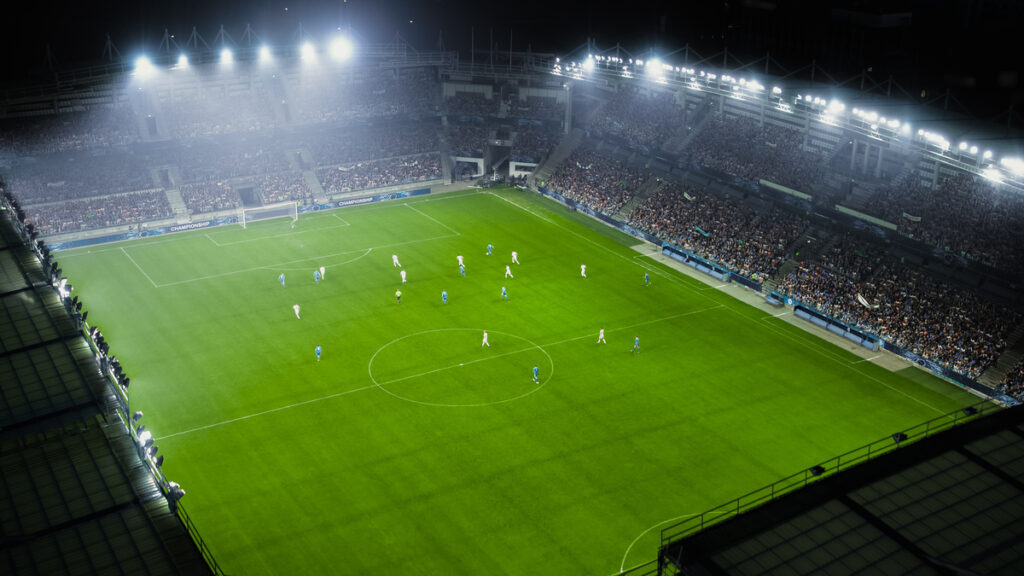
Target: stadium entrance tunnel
{"type": "Point", "coordinates": [450, 367]}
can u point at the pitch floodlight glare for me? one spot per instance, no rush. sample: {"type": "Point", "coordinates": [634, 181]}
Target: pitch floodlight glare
{"type": "Point", "coordinates": [307, 51]}
{"type": "Point", "coordinates": [143, 67]}
{"type": "Point", "coordinates": [340, 49]}
{"type": "Point", "coordinates": [588, 64]}
{"type": "Point", "coordinates": [182, 61]}
{"type": "Point", "coordinates": [654, 67]}
{"type": "Point", "coordinates": [225, 56]}
{"type": "Point", "coordinates": [264, 54]}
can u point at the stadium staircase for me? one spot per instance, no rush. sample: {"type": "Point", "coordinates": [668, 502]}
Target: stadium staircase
{"type": "Point", "coordinates": [681, 139]}
{"type": "Point", "coordinates": [1008, 359]}
{"type": "Point", "coordinates": [309, 177]}
{"type": "Point", "coordinates": [649, 187]}
{"type": "Point", "coordinates": [561, 152]}
{"type": "Point", "coordinates": [177, 204]}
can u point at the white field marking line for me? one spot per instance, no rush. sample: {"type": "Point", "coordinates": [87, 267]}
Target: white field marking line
{"type": "Point", "coordinates": [274, 266]}
{"type": "Point", "coordinates": [272, 410]}
{"type": "Point", "coordinates": [589, 335]}
{"type": "Point", "coordinates": [721, 285]}
{"type": "Point", "coordinates": [815, 348]}
{"type": "Point", "coordinates": [843, 362]}
{"type": "Point", "coordinates": [429, 217]}
{"type": "Point", "coordinates": [654, 269]}
{"type": "Point", "coordinates": [866, 359]}
{"type": "Point", "coordinates": [172, 238]}
{"type": "Point", "coordinates": [282, 235]}
{"type": "Point", "coordinates": [588, 240]}
{"type": "Point", "coordinates": [139, 267]}
{"type": "Point", "coordinates": [360, 257]}
{"type": "Point", "coordinates": [84, 251]}
{"type": "Point", "coordinates": [330, 396]}
{"type": "Point", "coordinates": [622, 567]}
{"type": "Point", "coordinates": [347, 223]}
{"type": "Point", "coordinates": [782, 314]}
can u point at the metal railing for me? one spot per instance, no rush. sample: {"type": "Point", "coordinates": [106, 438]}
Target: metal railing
{"type": "Point", "coordinates": [786, 485]}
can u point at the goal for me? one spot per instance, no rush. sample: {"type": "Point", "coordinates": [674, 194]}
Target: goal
{"type": "Point", "coordinates": [288, 210]}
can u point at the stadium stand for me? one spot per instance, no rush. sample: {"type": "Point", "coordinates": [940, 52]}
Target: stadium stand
{"type": "Point", "coordinates": [945, 504]}
{"type": "Point", "coordinates": [596, 180]}
{"type": "Point", "coordinates": [76, 496]}
{"type": "Point", "coordinates": [754, 244]}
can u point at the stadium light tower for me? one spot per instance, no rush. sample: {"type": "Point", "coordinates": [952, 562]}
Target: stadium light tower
{"type": "Point", "coordinates": [340, 49]}
{"type": "Point", "coordinates": [226, 57]}
{"type": "Point", "coordinates": [588, 64]}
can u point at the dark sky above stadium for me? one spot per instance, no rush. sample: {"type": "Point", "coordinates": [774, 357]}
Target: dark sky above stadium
{"type": "Point", "coordinates": [966, 44]}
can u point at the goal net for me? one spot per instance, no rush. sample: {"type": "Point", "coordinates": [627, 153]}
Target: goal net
{"type": "Point", "coordinates": [288, 210]}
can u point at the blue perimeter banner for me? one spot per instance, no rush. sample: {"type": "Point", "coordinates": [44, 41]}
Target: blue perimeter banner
{"type": "Point", "coordinates": [201, 224]}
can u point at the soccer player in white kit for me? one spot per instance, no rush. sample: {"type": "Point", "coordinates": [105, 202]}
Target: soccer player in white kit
{"type": "Point", "coordinates": [600, 337]}
{"type": "Point", "coordinates": [508, 272]}
{"type": "Point", "coordinates": [322, 270]}
{"type": "Point", "coordinates": [484, 343]}
{"type": "Point", "coordinates": [515, 257]}
{"type": "Point", "coordinates": [296, 308]}
{"type": "Point", "coordinates": [403, 276]}
{"type": "Point", "coordinates": [394, 258]}
{"type": "Point", "coordinates": [460, 260]}
{"type": "Point", "coordinates": [583, 270]}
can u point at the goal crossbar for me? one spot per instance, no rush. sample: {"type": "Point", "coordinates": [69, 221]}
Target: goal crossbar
{"type": "Point", "coordinates": [270, 211]}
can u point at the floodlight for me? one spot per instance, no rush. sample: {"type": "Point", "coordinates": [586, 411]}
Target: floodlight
{"type": "Point", "coordinates": [654, 67]}
{"type": "Point", "coordinates": [264, 54]}
{"type": "Point", "coordinates": [992, 174]}
{"type": "Point", "coordinates": [836, 106]}
{"type": "Point", "coordinates": [146, 436]}
{"type": "Point", "coordinates": [963, 145]}
{"type": "Point", "coordinates": [588, 64]}
{"type": "Point", "coordinates": [226, 57]}
{"type": "Point", "coordinates": [987, 154]}
{"type": "Point", "coordinates": [143, 67]}
{"type": "Point", "coordinates": [974, 150]}
{"type": "Point", "coordinates": [307, 51]}
{"type": "Point", "coordinates": [340, 49]}
{"type": "Point", "coordinates": [182, 62]}
{"type": "Point", "coordinates": [816, 471]}
{"type": "Point", "coordinates": [137, 416]}
{"type": "Point", "coordinates": [159, 461]}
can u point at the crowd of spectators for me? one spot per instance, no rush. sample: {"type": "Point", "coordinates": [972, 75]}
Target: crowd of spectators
{"type": "Point", "coordinates": [469, 140]}
{"type": "Point", "coordinates": [282, 187]}
{"type": "Point", "coordinates": [101, 127]}
{"type": "Point", "coordinates": [222, 159]}
{"type": "Point", "coordinates": [210, 109]}
{"type": "Point", "coordinates": [933, 318]}
{"type": "Point", "coordinates": [330, 98]}
{"type": "Point", "coordinates": [537, 107]}
{"type": "Point", "coordinates": [70, 176]}
{"type": "Point", "coordinates": [745, 149]}
{"type": "Point", "coordinates": [727, 231]}
{"type": "Point", "coordinates": [965, 215]}
{"type": "Point", "coordinates": [471, 104]}
{"type": "Point", "coordinates": [352, 144]}
{"type": "Point", "coordinates": [533, 143]}
{"type": "Point", "coordinates": [100, 212]}
{"type": "Point", "coordinates": [597, 181]}
{"type": "Point", "coordinates": [379, 173]}
{"type": "Point", "coordinates": [1013, 383]}
{"type": "Point", "coordinates": [641, 119]}
{"type": "Point", "coordinates": [209, 196]}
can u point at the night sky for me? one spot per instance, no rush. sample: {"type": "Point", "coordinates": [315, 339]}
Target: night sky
{"type": "Point", "coordinates": [965, 44]}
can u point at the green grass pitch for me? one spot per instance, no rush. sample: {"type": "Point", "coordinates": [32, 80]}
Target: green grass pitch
{"type": "Point", "coordinates": [410, 448]}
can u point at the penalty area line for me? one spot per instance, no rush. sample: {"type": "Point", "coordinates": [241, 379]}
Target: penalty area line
{"type": "Point", "coordinates": [272, 410]}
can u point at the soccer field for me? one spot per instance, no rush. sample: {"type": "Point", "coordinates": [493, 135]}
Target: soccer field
{"type": "Point", "coordinates": [410, 447]}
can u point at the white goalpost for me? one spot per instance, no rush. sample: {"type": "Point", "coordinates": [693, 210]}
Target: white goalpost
{"type": "Point", "coordinates": [288, 210]}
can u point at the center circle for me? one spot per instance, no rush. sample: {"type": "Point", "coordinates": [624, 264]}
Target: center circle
{"type": "Point", "coordinates": [450, 367]}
